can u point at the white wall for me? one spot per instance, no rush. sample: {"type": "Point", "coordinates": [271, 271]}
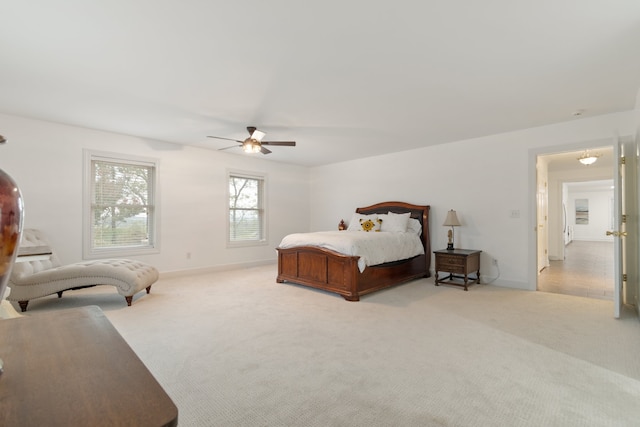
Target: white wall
{"type": "Point", "coordinates": [558, 194]}
{"type": "Point", "coordinates": [483, 179]}
{"type": "Point", "coordinates": [46, 160]}
{"type": "Point", "coordinates": [600, 215]}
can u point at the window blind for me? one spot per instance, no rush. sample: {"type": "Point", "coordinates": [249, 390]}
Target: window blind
{"type": "Point", "coordinates": [122, 207]}
{"type": "Point", "coordinates": [246, 215]}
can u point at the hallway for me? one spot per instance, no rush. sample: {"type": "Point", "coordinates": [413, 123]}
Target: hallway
{"type": "Point", "coordinates": [586, 271]}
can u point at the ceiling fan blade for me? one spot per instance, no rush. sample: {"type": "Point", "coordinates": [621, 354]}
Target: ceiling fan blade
{"type": "Point", "coordinates": [254, 133]}
{"type": "Point", "coordinates": [257, 135]}
{"type": "Point", "coordinates": [255, 141]}
{"type": "Point", "coordinates": [227, 139]}
{"type": "Point", "coordinates": [282, 143]}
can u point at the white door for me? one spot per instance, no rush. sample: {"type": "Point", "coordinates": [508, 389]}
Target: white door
{"type": "Point", "coordinates": [618, 211]}
{"type": "Point", "coordinates": [542, 200]}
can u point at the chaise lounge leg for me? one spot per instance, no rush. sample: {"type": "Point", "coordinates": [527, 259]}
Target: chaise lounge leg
{"type": "Point", "coordinates": [60, 294]}
{"type": "Point", "coordinates": [130, 299]}
{"type": "Point", "coordinates": [23, 305]}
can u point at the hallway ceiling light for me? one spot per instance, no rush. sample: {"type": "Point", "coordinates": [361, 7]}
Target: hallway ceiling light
{"type": "Point", "coordinates": [587, 158]}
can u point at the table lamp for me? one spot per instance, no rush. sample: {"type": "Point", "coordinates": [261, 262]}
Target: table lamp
{"type": "Point", "coordinates": [451, 221]}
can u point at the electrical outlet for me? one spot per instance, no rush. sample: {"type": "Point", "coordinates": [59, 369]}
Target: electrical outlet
{"type": "Point", "coordinates": [495, 261]}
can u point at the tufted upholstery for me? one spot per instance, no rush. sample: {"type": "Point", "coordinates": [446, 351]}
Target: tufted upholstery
{"type": "Point", "coordinates": [39, 278]}
{"type": "Point", "coordinates": [6, 309]}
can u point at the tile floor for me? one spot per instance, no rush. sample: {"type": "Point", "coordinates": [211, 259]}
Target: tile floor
{"type": "Point", "coordinates": [586, 271]}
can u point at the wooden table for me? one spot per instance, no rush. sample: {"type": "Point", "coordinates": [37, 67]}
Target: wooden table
{"type": "Point", "coordinates": [458, 263]}
{"type": "Point", "coordinates": [72, 368]}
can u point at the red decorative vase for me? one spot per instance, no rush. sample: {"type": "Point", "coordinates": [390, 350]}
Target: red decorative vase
{"type": "Point", "coordinates": [10, 229]}
{"type": "Point", "coordinates": [10, 226]}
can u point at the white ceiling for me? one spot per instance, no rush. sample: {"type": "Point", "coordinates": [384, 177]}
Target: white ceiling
{"type": "Point", "coordinates": [345, 79]}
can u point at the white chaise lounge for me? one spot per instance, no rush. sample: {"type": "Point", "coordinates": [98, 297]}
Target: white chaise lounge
{"type": "Point", "coordinates": [39, 278]}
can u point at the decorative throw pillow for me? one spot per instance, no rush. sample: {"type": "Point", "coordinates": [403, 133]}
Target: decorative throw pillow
{"type": "Point", "coordinates": [395, 223]}
{"type": "Point", "coordinates": [354, 224]}
{"type": "Point", "coordinates": [371, 224]}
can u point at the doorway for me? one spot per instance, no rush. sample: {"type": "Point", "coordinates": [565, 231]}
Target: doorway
{"type": "Point", "coordinates": [577, 257]}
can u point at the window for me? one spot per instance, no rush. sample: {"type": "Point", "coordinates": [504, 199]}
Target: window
{"type": "Point", "coordinates": [246, 209]}
{"type": "Point", "coordinates": [120, 215]}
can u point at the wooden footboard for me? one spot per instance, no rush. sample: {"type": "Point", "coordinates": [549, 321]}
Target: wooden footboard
{"type": "Point", "coordinates": [334, 272]}
{"type": "Point", "coordinates": [319, 268]}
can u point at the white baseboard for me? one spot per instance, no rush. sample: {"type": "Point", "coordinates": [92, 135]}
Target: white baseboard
{"type": "Point", "coordinates": [214, 269]}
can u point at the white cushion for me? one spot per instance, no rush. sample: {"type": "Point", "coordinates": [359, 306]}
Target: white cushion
{"type": "Point", "coordinates": [414, 226]}
{"type": "Point", "coordinates": [126, 275]}
{"type": "Point", "coordinates": [370, 224]}
{"type": "Point", "coordinates": [355, 225]}
{"type": "Point", "coordinates": [395, 223]}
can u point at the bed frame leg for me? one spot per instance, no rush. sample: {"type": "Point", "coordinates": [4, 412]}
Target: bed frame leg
{"type": "Point", "coordinates": [351, 297]}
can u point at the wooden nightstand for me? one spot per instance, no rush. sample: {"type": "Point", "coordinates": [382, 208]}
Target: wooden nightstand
{"type": "Point", "coordinates": [458, 263]}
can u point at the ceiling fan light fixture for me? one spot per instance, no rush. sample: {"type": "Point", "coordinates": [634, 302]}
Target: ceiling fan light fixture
{"type": "Point", "coordinates": [254, 143]}
{"type": "Point", "coordinates": [251, 145]}
{"type": "Point", "coordinates": [587, 158]}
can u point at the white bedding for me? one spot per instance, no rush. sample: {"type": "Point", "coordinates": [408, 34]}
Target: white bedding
{"type": "Point", "coordinates": [372, 248]}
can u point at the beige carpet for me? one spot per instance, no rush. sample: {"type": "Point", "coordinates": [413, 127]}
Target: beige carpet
{"type": "Point", "coordinates": [237, 349]}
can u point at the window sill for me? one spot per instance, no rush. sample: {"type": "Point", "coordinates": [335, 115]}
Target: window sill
{"type": "Point", "coordinates": [120, 252]}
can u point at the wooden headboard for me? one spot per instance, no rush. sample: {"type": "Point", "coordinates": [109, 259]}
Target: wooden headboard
{"type": "Point", "coordinates": [419, 212]}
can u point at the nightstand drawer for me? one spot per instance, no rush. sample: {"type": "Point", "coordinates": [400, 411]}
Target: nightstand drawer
{"type": "Point", "coordinates": [450, 261]}
{"type": "Point", "coordinates": [457, 269]}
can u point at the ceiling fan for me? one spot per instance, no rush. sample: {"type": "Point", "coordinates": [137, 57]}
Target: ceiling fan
{"type": "Point", "coordinates": [254, 144]}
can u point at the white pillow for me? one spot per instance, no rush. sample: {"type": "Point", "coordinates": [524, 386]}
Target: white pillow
{"type": "Point", "coordinates": [354, 224]}
{"type": "Point", "coordinates": [395, 223]}
{"type": "Point", "coordinates": [414, 226]}
{"type": "Point", "coordinates": [370, 224]}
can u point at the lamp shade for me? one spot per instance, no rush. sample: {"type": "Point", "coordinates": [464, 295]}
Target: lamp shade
{"type": "Point", "coordinates": [452, 219]}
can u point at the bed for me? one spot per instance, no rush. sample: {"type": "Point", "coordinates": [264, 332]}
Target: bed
{"type": "Point", "coordinates": [335, 272]}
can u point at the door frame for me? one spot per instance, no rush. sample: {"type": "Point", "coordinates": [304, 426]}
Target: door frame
{"type": "Point", "coordinates": [532, 263]}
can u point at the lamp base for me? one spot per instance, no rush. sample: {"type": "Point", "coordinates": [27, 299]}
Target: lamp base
{"type": "Point", "coordinates": [450, 246]}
